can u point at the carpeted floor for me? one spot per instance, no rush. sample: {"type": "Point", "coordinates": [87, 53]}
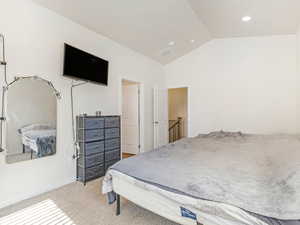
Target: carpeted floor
{"type": "Point", "coordinates": [75, 204]}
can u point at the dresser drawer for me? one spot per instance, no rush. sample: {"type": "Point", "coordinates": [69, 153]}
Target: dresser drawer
{"type": "Point", "coordinates": [112, 122]}
{"type": "Point", "coordinates": [112, 133]}
{"type": "Point", "coordinates": [90, 135]}
{"type": "Point", "coordinates": [110, 163]}
{"type": "Point", "coordinates": [112, 144]}
{"type": "Point", "coordinates": [94, 123]}
{"type": "Point", "coordinates": [91, 160]}
{"type": "Point", "coordinates": [93, 135]}
{"type": "Point", "coordinates": [94, 172]}
{"type": "Point", "coordinates": [112, 155]}
{"type": "Point", "coordinates": [91, 147]}
{"type": "Point", "coordinates": [94, 160]}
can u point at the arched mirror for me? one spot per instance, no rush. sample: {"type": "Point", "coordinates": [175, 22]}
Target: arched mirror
{"type": "Point", "coordinates": [30, 119]}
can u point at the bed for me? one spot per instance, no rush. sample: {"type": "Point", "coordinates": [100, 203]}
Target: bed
{"type": "Point", "coordinates": [39, 139]}
{"type": "Point", "coordinates": [218, 178]}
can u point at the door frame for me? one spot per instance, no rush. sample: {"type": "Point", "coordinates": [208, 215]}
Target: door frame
{"type": "Point", "coordinates": [140, 110]}
{"type": "Point", "coordinates": [187, 103]}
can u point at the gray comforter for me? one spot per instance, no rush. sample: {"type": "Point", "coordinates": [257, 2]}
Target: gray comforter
{"type": "Point", "coordinates": [45, 140]}
{"type": "Point", "coordinates": [46, 146]}
{"type": "Point", "coordinates": [257, 173]}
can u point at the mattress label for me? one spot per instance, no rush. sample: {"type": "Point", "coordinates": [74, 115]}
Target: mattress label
{"type": "Point", "coordinates": [188, 214]}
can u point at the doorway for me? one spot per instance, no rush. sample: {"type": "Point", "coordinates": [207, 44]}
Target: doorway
{"type": "Point", "coordinates": [131, 144]}
{"type": "Point", "coordinates": [178, 113]}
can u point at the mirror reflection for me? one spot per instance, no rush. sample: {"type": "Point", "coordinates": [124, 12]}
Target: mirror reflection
{"type": "Point", "coordinates": [30, 120]}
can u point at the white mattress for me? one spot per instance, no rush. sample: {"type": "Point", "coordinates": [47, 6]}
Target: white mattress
{"type": "Point", "coordinates": [167, 204]}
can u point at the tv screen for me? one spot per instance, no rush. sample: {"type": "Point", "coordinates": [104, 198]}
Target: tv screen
{"type": "Point", "coordinates": [84, 66]}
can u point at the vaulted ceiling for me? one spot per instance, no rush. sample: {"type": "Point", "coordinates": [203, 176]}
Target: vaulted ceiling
{"type": "Point", "coordinates": [167, 29]}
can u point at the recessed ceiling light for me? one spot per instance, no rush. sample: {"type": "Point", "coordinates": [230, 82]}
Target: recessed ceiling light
{"type": "Point", "coordinates": [246, 18]}
{"type": "Point", "coordinates": [171, 43]}
{"type": "Point", "coordinates": [192, 41]}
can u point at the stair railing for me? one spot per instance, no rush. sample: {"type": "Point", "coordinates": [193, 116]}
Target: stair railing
{"type": "Point", "coordinates": [175, 130]}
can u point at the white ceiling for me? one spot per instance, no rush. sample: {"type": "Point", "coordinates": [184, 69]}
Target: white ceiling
{"type": "Point", "coordinates": [147, 26]}
{"type": "Point", "coordinates": [269, 17]}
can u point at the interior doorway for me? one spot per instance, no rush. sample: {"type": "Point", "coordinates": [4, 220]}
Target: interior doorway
{"type": "Point", "coordinates": [178, 113]}
{"type": "Point", "coordinates": [131, 138]}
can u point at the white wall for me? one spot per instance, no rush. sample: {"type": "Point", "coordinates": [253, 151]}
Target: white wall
{"type": "Point", "coordinates": [34, 44]}
{"type": "Point", "coordinates": [298, 51]}
{"type": "Point", "coordinates": [241, 84]}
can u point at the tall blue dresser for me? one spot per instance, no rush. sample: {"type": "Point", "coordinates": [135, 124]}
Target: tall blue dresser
{"type": "Point", "coordinates": [99, 142]}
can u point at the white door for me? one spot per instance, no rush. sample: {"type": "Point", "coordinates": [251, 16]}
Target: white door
{"type": "Point", "coordinates": [130, 119]}
{"type": "Point", "coordinates": [160, 115]}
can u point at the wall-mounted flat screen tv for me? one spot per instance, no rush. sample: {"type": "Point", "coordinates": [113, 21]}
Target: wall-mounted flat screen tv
{"type": "Point", "coordinates": [84, 66]}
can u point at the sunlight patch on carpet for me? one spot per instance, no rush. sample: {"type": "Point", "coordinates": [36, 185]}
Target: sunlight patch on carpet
{"type": "Point", "coordinates": [45, 212]}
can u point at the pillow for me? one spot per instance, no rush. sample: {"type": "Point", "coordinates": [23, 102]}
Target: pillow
{"type": "Point", "coordinates": [223, 134]}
